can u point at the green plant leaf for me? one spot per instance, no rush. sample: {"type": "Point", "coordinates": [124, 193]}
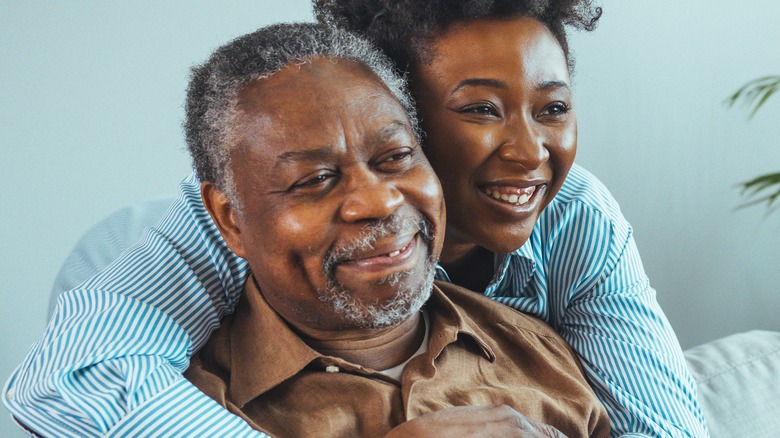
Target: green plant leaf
{"type": "Point", "coordinates": [756, 190]}
{"type": "Point", "coordinates": [765, 188]}
{"type": "Point", "coordinates": [769, 92]}
{"type": "Point", "coordinates": [755, 93]}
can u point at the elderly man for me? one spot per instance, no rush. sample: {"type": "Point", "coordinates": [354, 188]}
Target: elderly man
{"type": "Point", "coordinates": [312, 171]}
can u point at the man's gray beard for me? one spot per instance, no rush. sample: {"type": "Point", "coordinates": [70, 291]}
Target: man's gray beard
{"type": "Point", "coordinates": [408, 299]}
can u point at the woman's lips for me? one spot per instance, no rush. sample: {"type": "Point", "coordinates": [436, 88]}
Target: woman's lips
{"type": "Point", "coordinates": [515, 196]}
{"type": "Point", "coordinates": [514, 200]}
{"type": "Point", "coordinates": [509, 194]}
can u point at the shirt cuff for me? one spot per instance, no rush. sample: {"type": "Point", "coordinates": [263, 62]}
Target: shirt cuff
{"type": "Point", "coordinates": [181, 410]}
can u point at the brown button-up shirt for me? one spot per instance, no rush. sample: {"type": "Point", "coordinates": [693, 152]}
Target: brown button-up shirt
{"type": "Point", "coordinates": [479, 353]}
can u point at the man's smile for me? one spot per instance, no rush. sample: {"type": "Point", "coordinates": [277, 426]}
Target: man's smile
{"type": "Point", "coordinates": [393, 254]}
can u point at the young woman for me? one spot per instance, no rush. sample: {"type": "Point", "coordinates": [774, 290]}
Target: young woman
{"type": "Point", "coordinates": [525, 226]}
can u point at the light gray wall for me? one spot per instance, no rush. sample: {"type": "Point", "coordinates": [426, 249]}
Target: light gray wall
{"type": "Point", "coordinates": [650, 87]}
{"type": "Point", "coordinates": [90, 108]}
{"type": "Point", "coordinates": [91, 96]}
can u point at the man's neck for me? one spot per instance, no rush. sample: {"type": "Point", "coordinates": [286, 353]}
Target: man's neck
{"type": "Point", "coordinates": [376, 349]}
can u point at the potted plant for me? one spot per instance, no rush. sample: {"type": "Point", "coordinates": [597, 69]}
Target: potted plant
{"type": "Point", "coordinates": [764, 188]}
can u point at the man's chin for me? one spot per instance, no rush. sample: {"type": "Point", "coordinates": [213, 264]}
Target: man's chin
{"type": "Point", "coordinates": [408, 292]}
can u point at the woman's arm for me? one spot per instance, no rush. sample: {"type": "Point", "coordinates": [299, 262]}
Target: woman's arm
{"type": "Point", "coordinates": [603, 306]}
{"type": "Point", "coordinates": [112, 356]}
{"type": "Point", "coordinates": [581, 272]}
{"type": "Point", "coordinates": [631, 355]}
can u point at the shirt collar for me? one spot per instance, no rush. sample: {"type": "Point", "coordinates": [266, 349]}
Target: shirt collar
{"type": "Point", "coordinates": [517, 269]}
{"type": "Point", "coordinates": [283, 354]}
{"type": "Point", "coordinates": [261, 340]}
{"type": "Point", "coordinates": [448, 323]}
{"type": "Point", "coordinates": [513, 271]}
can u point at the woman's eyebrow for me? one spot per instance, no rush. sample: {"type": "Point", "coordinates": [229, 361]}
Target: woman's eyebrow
{"type": "Point", "coordinates": [479, 82]}
{"type": "Point", "coordinates": [495, 83]}
{"type": "Point", "coordinates": [547, 85]}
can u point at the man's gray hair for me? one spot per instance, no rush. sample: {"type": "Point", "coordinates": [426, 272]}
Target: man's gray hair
{"type": "Point", "coordinates": [214, 85]}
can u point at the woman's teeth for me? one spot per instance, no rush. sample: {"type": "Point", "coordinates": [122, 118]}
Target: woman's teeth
{"type": "Point", "coordinates": [511, 199]}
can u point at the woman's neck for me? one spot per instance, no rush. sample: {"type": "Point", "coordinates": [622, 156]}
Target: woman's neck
{"type": "Point", "coordinates": [467, 265]}
{"type": "Point", "coordinates": [377, 349]}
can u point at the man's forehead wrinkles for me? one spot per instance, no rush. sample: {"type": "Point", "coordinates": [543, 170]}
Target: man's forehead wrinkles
{"type": "Point", "coordinates": [394, 131]}
{"type": "Point", "coordinates": [321, 153]}
{"type": "Point", "coordinates": [329, 153]}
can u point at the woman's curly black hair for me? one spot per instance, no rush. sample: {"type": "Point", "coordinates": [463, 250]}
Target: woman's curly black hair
{"type": "Point", "coordinates": [403, 29]}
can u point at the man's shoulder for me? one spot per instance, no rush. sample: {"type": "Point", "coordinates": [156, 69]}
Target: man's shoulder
{"type": "Point", "coordinates": [484, 311]}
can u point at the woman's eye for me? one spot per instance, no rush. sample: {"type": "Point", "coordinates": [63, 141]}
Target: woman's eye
{"type": "Point", "coordinates": [484, 110]}
{"type": "Point", "coordinates": [556, 109]}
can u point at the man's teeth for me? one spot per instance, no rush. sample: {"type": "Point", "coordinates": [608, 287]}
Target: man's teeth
{"type": "Point", "coordinates": [398, 251]}
{"type": "Point", "coordinates": [512, 199]}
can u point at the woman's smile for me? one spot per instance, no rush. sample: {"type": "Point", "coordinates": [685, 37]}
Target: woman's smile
{"type": "Point", "coordinates": [520, 200]}
{"type": "Point", "coordinates": [496, 105]}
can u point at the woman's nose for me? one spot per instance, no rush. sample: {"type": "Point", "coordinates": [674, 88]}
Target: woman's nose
{"type": "Point", "coordinates": [523, 144]}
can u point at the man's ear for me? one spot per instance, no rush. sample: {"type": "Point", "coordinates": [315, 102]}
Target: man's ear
{"type": "Point", "coordinates": [224, 215]}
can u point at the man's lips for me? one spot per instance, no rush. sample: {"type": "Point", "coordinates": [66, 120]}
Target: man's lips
{"type": "Point", "coordinates": [384, 254]}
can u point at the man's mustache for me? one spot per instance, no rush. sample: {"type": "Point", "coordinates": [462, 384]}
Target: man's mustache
{"type": "Point", "coordinates": [394, 225]}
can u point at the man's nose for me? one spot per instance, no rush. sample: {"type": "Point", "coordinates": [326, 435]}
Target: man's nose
{"type": "Point", "coordinates": [369, 197]}
{"type": "Point", "coordinates": [523, 143]}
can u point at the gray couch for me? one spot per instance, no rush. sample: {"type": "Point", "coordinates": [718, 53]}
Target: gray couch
{"type": "Point", "coordinates": [738, 379]}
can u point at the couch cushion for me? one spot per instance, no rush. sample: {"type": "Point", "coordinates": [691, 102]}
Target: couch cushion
{"type": "Point", "coordinates": [738, 380]}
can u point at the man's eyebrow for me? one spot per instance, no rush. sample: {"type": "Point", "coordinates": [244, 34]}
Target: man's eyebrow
{"type": "Point", "coordinates": [479, 82]}
{"type": "Point", "coordinates": [322, 153]}
{"type": "Point", "coordinates": [326, 153]}
{"type": "Point", "coordinates": [392, 129]}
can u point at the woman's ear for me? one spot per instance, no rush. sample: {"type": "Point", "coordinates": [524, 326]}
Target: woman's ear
{"type": "Point", "coordinates": [224, 215]}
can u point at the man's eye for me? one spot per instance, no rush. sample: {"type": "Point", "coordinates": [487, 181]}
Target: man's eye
{"type": "Point", "coordinates": [395, 161]}
{"type": "Point", "coordinates": [313, 181]}
{"type": "Point", "coordinates": [399, 156]}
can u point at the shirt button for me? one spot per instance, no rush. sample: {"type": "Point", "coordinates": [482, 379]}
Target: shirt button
{"type": "Point", "coordinates": [331, 369]}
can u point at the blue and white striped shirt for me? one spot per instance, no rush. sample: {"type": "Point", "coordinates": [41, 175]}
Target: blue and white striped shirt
{"type": "Point", "coordinates": [111, 358]}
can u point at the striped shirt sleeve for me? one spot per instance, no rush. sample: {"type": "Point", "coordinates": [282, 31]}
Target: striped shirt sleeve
{"type": "Point", "coordinates": [628, 349]}
{"type": "Point", "coordinates": [602, 304]}
{"type": "Point", "coordinates": [111, 359]}
{"type": "Point", "coordinates": [581, 272]}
